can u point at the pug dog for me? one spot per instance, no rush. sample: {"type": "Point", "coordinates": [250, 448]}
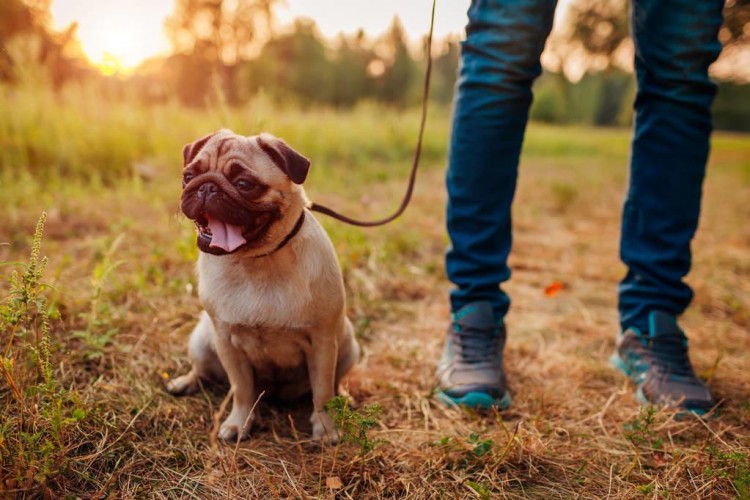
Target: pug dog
{"type": "Point", "coordinates": [269, 281]}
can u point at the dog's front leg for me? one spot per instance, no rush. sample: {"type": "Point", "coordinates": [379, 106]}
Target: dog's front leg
{"type": "Point", "coordinates": [242, 379]}
{"type": "Point", "coordinates": [321, 363]}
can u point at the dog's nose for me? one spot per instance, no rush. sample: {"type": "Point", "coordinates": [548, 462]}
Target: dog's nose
{"type": "Point", "coordinates": [208, 190]}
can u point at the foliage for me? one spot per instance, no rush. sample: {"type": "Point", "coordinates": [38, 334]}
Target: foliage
{"type": "Point", "coordinates": [98, 332]}
{"type": "Point", "coordinates": [227, 53]}
{"type": "Point", "coordinates": [398, 71]}
{"type": "Point", "coordinates": [598, 28]}
{"type": "Point", "coordinates": [355, 424]}
{"type": "Point", "coordinates": [40, 416]}
{"type": "Point", "coordinates": [50, 137]}
{"type": "Point", "coordinates": [604, 98]}
{"type": "Point", "coordinates": [736, 21]}
{"type": "Point", "coordinates": [728, 115]}
{"type": "Point", "coordinates": [27, 23]}
{"type": "Point", "coordinates": [465, 452]}
{"type": "Point", "coordinates": [295, 66]}
{"type": "Point", "coordinates": [209, 39]}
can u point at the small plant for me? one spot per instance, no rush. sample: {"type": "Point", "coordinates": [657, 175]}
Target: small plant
{"type": "Point", "coordinates": [733, 466]}
{"type": "Point", "coordinates": [465, 452]}
{"type": "Point", "coordinates": [640, 432]}
{"type": "Point", "coordinates": [354, 424]}
{"type": "Point", "coordinates": [39, 415]}
{"type": "Point", "coordinates": [24, 317]}
{"type": "Point", "coordinates": [98, 332]}
{"type": "Point", "coordinates": [644, 439]}
{"type": "Point", "coordinates": [480, 489]}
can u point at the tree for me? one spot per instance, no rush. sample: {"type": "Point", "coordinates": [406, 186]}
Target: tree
{"type": "Point", "coordinates": [15, 18]}
{"type": "Point", "coordinates": [211, 38]}
{"type": "Point", "coordinates": [444, 71]}
{"type": "Point", "coordinates": [399, 71]}
{"type": "Point", "coordinates": [736, 29]}
{"type": "Point", "coordinates": [735, 36]}
{"type": "Point", "coordinates": [351, 81]}
{"type": "Point", "coordinates": [295, 65]}
{"type": "Point", "coordinates": [597, 32]}
{"type": "Point", "coordinates": [27, 41]}
{"type": "Point", "coordinates": [598, 29]}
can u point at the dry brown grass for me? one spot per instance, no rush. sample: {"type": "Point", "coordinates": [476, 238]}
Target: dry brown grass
{"type": "Point", "coordinates": [574, 430]}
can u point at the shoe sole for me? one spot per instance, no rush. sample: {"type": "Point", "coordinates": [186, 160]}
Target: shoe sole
{"type": "Point", "coordinates": [617, 363]}
{"type": "Point", "coordinates": [475, 400]}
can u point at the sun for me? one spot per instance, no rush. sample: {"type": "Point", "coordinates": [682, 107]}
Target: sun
{"type": "Point", "coordinates": [116, 35]}
{"type": "Point", "coordinates": [114, 45]}
{"type": "Point", "coordinates": [111, 64]}
{"type": "Point", "coordinates": [114, 51]}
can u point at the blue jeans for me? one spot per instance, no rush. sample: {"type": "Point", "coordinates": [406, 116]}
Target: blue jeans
{"type": "Point", "coordinates": [675, 42]}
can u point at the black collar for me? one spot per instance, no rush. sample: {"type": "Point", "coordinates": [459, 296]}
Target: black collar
{"type": "Point", "coordinates": [288, 237]}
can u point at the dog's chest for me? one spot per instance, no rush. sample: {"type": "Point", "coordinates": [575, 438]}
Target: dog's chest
{"type": "Point", "coordinates": [261, 296]}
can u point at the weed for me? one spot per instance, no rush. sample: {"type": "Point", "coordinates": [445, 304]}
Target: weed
{"type": "Point", "coordinates": [733, 466]}
{"type": "Point", "coordinates": [98, 332]}
{"type": "Point", "coordinates": [479, 488]}
{"type": "Point", "coordinates": [40, 416]}
{"type": "Point", "coordinates": [640, 432]}
{"type": "Point", "coordinates": [465, 453]}
{"type": "Point", "coordinates": [24, 318]}
{"type": "Point", "coordinates": [354, 424]}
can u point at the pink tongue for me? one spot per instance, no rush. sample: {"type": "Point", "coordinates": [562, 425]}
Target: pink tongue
{"type": "Point", "coordinates": [225, 236]}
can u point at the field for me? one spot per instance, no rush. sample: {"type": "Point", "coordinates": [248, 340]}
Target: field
{"type": "Point", "coordinates": [90, 341]}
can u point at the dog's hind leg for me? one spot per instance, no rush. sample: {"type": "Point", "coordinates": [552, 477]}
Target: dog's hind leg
{"type": "Point", "coordinates": [206, 365]}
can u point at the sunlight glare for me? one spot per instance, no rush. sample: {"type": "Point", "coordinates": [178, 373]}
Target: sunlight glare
{"type": "Point", "coordinates": [116, 35]}
{"type": "Point", "coordinates": [110, 65]}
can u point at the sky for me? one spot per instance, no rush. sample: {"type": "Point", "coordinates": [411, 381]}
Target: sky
{"type": "Point", "coordinates": [116, 35]}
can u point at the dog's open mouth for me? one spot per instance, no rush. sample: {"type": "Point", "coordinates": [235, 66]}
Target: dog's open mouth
{"type": "Point", "coordinates": [218, 237]}
{"type": "Point", "coordinates": [223, 235]}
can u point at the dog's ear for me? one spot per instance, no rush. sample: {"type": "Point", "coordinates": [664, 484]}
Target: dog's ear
{"type": "Point", "coordinates": [293, 164]}
{"type": "Point", "coordinates": [190, 151]}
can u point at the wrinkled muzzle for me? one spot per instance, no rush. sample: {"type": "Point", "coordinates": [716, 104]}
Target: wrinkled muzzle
{"type": "Point", "coordinates": [225, 221]}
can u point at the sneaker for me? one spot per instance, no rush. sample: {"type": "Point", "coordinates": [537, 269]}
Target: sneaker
{"type": "Point", "coordinates": [470, 373]}
{"type": "Point", "coordinates": [658, 362]}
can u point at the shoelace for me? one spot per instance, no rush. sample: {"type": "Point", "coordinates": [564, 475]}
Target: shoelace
{"type": "Point", "coordinates": [478, 345]}
{"type": "Point", "coordinates": [672, 353]}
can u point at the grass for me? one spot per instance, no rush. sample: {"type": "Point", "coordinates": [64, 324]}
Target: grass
{"type": "Point", "coordinates": [90, 339]}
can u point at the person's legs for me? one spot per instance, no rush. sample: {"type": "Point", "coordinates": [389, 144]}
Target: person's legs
{"type": "Point", "coordinates": [675, 42]}
{"type": "Point", "coordinates": [499, 62]}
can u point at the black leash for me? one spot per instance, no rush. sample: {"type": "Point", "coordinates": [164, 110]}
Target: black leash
{"type": "Point", "coordinates": [417, 151]}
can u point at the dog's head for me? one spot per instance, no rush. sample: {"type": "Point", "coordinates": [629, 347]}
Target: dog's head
{"type": "Point", "coordinates": [242, 192]}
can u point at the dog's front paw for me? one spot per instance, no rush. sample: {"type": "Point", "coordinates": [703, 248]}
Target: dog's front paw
{"type": "Point", "coordinates": [184, 385]}
{"type": "Point", "coordinates": [236, 427]}
{"type": "Point", "coordinates": [323, 428]}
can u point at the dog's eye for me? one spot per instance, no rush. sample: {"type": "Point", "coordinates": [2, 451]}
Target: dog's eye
{"type": "Point", "coordinates": [187, 177]}
{"type": "Point", "coordinates": [244, 185]}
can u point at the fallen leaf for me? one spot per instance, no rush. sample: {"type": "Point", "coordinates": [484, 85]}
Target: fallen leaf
{"type": "Point", "coordinates": [552, 289]}
{"type": "Point", "coordinates": [334, 483]}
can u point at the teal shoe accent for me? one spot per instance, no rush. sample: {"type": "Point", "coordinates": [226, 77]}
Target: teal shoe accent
{"type": "Point", "coordinates": [617, 363]}
{"type": "Point", "coordinates": [620, 365]}
{"type": "Point", "coordinates": [657, 362]}
{"type": "Point", "coordinates": [475, 400]}
{"type": "Point", "coordinates": [683, 413]}
{"type": "Point", "coordinates": [470, 372]}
